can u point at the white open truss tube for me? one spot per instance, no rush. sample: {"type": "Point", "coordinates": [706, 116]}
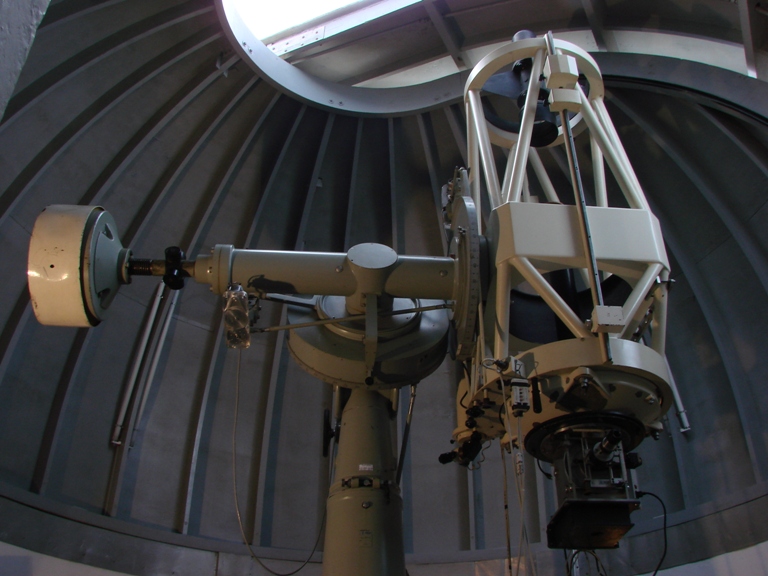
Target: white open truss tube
{"type": "Point", "coordinates": [533, 236]}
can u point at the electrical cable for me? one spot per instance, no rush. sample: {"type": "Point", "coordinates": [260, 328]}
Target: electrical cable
{"type": "Point", "coordinates": [479, 459]}
{"type": "Point", "coordinates": [506, 510]}
{"type": "Point", "coordinates": [520, 483]}
{"type": "Point", "coordinates": [570, 562]}
{"type": "Point", "coordinates": [547, 475]}
{"type": "Point", "coordinates": [664, 509]}
{"type": "Point", "coordinates": [467, 370]}
{"type": "Point", "coordinates": [234, 488]}
{"type": "Point", "coordinates": [406, 433]}
{"type": "Point", "coordinates": [518, 476]}
{"type": "Point", "coordinates": [599, 563]}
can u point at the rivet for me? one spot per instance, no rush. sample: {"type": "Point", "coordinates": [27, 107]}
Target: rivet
{"type": "Point", "coordinates": [443, 273]}
{"type": "Point", "coordinates": [339, 268]}
{"type": "Point", "coordinates": [367, 504]}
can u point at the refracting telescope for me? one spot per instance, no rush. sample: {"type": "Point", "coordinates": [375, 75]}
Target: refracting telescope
{"type": "Point", "coordinates": [555, 308]}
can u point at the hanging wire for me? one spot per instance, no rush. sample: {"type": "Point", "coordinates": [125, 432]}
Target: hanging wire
{"type": "Point", "coordinates": [519, 483]}
{"type": "Point", "coordinates": [547, 475]}
{"type": "Point", "coordinates": [524, 543]}
{"type": "Point", "coordinates": [570, 564]}
{"type": "Point", "coordinates": [234, 488]}
{"type": "Point", "coordinates": [506, 512]}
{"type": "Point", "coordinates": [664, 509]}
{"type": "Point", "coordinates": [481, 458]}
{"type": "Point", "coordinates": [600, 568]}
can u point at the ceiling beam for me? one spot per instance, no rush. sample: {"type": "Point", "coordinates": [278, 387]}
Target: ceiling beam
{"type": "Point", "coordinates": [595, 12]}
{"type": "Point", "coordinates": [753, 19]}
{"type": "Point", "coordinates": [388, 68]}
{"type": "Point", "coordinates": [449, 32]}
{"type": "Point", "coordinates": [470, 9]}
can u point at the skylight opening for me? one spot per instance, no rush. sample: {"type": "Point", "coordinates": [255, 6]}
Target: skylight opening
{"type": "Point", "coordinates": [267, 19]}
{"type": "Point", "coordinates": [287, 25]}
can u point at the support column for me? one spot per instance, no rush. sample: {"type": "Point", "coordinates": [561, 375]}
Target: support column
{"type": "Point", "coordinates": [364, 529]}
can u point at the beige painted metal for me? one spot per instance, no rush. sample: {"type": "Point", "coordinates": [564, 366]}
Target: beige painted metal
{"type": "Point", "coordinates": [364, 529]}
{"type": "Point", "coordinates": [323, 272]}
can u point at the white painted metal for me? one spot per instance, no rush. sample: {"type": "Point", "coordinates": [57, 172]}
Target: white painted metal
{"type": "Point", "coordinates": [619, 166]}
{"type": "Point", "coordinates": [74, 265]}
{"type": "Point", "coordinates": [483, 142]}
{"type": "Point", "coordinates": [543, 177]}
{"type": "Point", "coordinates": [539, 238]}
{"type": "Point", "coordinates": [626, 241]}
{"type": "Point", "coordinates": [501, 326]}
{"type": "Point", "coordinates": [526, 130]}
{"type": "Point", "coordinates": [639, 293]}
{"type": "Point", "coordinates": [605, 119]}
{"type": "Point", "coordinates": [598, 172]}
{"type": "Point", "coordinates": [530, 239]}
{"type": "Point", "coordinates": [552, 298]}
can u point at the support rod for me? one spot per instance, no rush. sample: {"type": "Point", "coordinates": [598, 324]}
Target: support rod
{"type": "Point", "coordinates": [356, 317]}
{"type": "Point", "coordinates": [682, 416]}
{"type": "Point", "coordinates": [526, 130]}
{"type": "Point", "coordinates": [581, 208]}
{"type": "Point", "coordinates": [137, 362]}
{"type": "Point", "coordinates": [406, 434]}
{"type": "Point", "coordinates": [552, 298]}
{"type": "Point", "coordinates": [543, 177]}
{"type": "Point", "coordinates": [501, 328]}
{"type": "Point", "coordinates": [483, 141]}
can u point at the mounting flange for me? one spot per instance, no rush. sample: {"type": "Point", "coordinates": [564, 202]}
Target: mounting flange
{"type": "Point", "coordinates": [465, 249]}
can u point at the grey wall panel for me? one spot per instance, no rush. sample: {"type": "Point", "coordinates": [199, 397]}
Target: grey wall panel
{"type": "Point", "coordinates": [301, 475]}
{"type": "Point", "coordinates": [417, 216]}
{"type": "Point", "coordinates": [326, 228]}
{"type": "Point", "coordinates": [58, 43]}
{"type": "Point", "coordinates": [82, 456]}
{"type": "Point", "coordinates": [440, 497]}
{"type": "Point", "coordinates": [369, 217]}
{"type": "Point", "coordinates": [148, 124]}
{"type": "Point", "coordinates": [27, 393]}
